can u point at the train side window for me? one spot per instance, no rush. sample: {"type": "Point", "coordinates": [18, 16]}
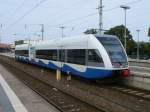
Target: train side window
{"type": "Point", "coordinates": [94, 58]}
{"type": "Point", "coordinates": [22, 53]}
{"type": "Point", "coordinates": [53, 55]}
{"type": "Point", "coordinates": [47, 54]}
{"type": "Point", "coordinates": [42, 54]}
{"type": "Point", "coordinates": [76, 56]}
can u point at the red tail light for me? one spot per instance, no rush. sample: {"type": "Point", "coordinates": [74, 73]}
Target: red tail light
{"type": "Point", "coordinates": [126, 73]}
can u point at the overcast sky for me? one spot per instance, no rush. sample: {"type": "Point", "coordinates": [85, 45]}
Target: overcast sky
{"type": "Point", "coordinates": [75, 15]}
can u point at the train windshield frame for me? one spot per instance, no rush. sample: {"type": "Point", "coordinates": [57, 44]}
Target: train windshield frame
{"type": "Point", "coordinates": [115, 51]}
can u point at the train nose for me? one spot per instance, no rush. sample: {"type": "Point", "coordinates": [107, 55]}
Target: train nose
{"type": "Point", "coordinates": [126, 73]}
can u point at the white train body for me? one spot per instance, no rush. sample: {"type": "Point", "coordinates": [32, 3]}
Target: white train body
{"type": "Point", "coordinates": [88, 56]}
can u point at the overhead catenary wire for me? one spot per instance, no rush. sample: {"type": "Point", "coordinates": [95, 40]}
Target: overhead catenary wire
{"type": "Point", "coordinates": [19, 7]}
{"type": "Point", "coordinates": [75, 19]}
{"type": "Point", "coordinates": [27, 13]}
{"type": "Point", "coordinates": [31, 10]}
{"type": "Point", "coordinates": [62, 10]}
{"type": "Point", "coordinates": [93, 14]}
{"type": "Point", "coordinates": [16, 10]}
{"type": "Point", "coordinates": [71, 20]}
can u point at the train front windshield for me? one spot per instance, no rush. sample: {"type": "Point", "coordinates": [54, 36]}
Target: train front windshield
{"type": "Point", "coordinates": [115, 51]}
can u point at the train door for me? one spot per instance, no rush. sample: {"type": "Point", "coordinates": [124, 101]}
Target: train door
{"type": "Point", "coordinates": [62, 55]}
{"type": "Point", "coordinates": [32, 52]}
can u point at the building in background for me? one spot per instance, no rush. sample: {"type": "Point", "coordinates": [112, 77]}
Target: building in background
{"type": "Point", "coordinates": [4, 48]}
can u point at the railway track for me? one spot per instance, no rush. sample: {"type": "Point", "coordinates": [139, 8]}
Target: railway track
{"type": "Point", "coordinates": [107, 98]}
{"type": "Point", "coordinates": [142, 94]}
{"type": "Point", "coordinates": [62, 101]}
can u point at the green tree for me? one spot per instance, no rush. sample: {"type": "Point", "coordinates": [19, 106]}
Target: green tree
{"type": "Point", "coordinates": [144, 50]}
{"type": "Point", "coordinates": [149, 32]}
{"type": "Point", "coordinates": [91, 31]}
{"type": "Point", "coordinates": [119, 32]}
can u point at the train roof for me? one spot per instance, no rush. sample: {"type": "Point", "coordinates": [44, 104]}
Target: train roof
{"type": "Point", "coordinates": [58, 40]}
{"type": "Point", "coordinates": [22, 46]}
{"type": "Point", "coordinates": [81, 39]}
{"type": "Point", "coordinates": [110, 36]}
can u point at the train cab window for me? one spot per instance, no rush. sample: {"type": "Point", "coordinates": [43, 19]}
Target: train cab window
{"type": "Point", "coordinates": [94, 58]}
{"type": "Point", "coordinates": [115, 51]}
{"type": "Point", "coordinates": [22, 53]}
{"type": "Point", "coordinates": [76, 56]}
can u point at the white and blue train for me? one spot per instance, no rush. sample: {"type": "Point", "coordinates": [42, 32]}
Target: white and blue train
{"type": "Point", "coordinates": [88, 56]}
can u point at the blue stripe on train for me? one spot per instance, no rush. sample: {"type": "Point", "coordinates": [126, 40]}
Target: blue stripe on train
{"type": "Point", "coordinates": [90, 73]}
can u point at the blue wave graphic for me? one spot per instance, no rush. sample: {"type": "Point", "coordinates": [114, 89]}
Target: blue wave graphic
{"type": "Point", "coordinates": [90, 73]}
